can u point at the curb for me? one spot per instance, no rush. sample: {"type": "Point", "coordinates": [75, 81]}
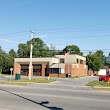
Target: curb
{"type": "Point", "coordinates": [100, 87]}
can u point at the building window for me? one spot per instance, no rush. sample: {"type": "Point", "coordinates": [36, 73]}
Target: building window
{"type": "Point", "coordinates": [54, 70]}
{"type": "Point", "coordinates": [62, 60]}
{"type": "Point", "coordinates": [81, 61]}
{"type": "Point", "coordinates": [77, 60]}
{"type": "Point", "coordinates": [62, 70]}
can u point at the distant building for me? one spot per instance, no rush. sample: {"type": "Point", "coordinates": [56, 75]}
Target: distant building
{"type": "Point", "coordinates": [60, 65]}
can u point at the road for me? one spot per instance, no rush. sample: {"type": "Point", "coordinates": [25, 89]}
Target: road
{"type": "Point", "coordinates": [60, 95]}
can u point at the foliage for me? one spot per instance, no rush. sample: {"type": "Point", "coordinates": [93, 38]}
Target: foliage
{"type": "Point", "coordinates": [73, 49]}
{"type": "Point", "coordinates": [6, 60]}
{"type": "Point", "coordinates": [12, 53]}
{"type": "Point", "coordinates": [96, 61]}
{"type": "Point", "coordinates": [39, 48]}
{"type": "Point", "coordinates": [108, 60]}
{"type": "Point", "coordinates": [23, 50]}
{"type": "Point", "coordinates": [98, 83]}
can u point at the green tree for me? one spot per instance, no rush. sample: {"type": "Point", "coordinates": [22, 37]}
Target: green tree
{"type": "Point", "coordinates": [5, 62]}
{"type": "Point", "coordinates": [95, 61]}
{"type": "Point", "coordinates": [73, 49]}
{"type": "Point", "coordinates": [101, 55]}
{"type": "Point", "coordinates": [23, 50]}
{"type": "Point", "coordinates": [40, 49]}
{"type": "Point", "coordinates": [108, 60]}
{"type": "Point", "coordinates": [12, 53]}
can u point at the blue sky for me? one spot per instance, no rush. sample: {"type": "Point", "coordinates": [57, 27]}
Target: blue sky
{"type": "Point", "coordinates": [85, 23]}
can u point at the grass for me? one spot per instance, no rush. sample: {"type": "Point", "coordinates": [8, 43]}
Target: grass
{"type": "Point", "coordinates": [75, 77]}
{"type": "Point", "coordinates": [4, 74]}
{"type": "Point", "coordinates": [102, 89]}
{"type": "Point", "coordinates": [36, 80]}
{"type": "Point", "coordinates": [24, 82]}
{"type": "Point", "coordinates": [99, 83]}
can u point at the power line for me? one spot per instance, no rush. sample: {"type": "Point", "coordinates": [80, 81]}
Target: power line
{"type": "Point", "coordinates": [14, 33]}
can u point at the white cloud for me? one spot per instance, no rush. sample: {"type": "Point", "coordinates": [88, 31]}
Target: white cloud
{"type": "Point", "coordinates": [8, 40]}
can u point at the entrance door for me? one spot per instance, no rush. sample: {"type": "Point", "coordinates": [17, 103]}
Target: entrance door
{"type": "Point", "coordinates": [37, 69]}
{"type": "Point", "coordinates": [24, 69]}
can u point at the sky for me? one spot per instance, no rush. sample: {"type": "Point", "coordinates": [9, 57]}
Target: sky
{"type": "Point", "coordinates": [85, 23]}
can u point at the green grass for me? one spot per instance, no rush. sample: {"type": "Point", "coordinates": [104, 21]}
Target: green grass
{"type": "Point", "coordinates": [99, 83]}
{"type": "Point", "coordinates": [13, 83]}
{"type": "Point", "coordinates": [36, 80]}
{"type": "Point", "coordinates": [4, 74]}
{"type": "Point", "coordinates": [24, 82]}
{"type": "Point", "coordinates": [75, 77]}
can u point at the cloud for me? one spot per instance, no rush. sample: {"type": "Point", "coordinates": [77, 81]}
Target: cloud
{"type": "Point", "coordinates": [8, 41]}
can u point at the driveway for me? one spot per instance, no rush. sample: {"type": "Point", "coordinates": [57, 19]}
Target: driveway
{"type": "Point", "coordinates": [82, 81]}
{"type": "Point", "coordinates": [68, 83]}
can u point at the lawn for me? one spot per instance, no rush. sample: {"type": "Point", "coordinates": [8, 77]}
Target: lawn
{"type": "Point", "coordinates": [24, 82]}
{"type": "Point", "coordinates": [99, 83]}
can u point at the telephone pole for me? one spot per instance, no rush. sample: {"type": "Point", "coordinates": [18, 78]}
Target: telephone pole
{"type": "Point", "coordinates": [30, 64]}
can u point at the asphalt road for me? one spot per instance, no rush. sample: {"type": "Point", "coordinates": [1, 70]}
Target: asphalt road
{"type": "Point", "coordinates": [54, 97]}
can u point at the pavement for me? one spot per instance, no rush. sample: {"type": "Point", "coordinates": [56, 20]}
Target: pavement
{"type": "Point", "coordinates": [68, 83]}
{"type": "Point", "coordinates": [62, 83]}
{"type": "Point", "coordinates": [63, 94]}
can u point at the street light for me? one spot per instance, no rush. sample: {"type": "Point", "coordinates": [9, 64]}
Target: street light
{"type": "Point", "coordinates": [11, 69]}
{"type": "Point", "coordinates": [30, 64]}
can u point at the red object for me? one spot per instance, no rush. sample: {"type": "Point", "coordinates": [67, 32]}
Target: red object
{"type": "Point", "coordinates": [104, 78]}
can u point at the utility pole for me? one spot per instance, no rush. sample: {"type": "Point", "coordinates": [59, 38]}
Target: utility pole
{"type": "Point", "coordinates": [30, 64]}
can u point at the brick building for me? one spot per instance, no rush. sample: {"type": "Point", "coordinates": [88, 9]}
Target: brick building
{"type": "Point", "coordinates": [60, 65]}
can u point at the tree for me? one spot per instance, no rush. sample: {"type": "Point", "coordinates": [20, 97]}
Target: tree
{"type": "Point", "coordinates": [12, 53]}
{"type": "Point", "coordinates": [73, 49]}
{"type": "Point", "coordinates": [95, 61]}
{"type": "Point", "coordinates": [23, 50]}
{"type": "Point", "coordinates": [108, 60]}
{"type": "Point", "coordinates": [101, 55]}
{"type": "Point", "coordinates": [39, 48]}
{"type": "Point", "coordinates": [5, 62]}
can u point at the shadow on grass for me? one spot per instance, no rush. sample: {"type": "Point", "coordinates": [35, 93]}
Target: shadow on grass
{"type": "Point", "coordinates": [43, 103]}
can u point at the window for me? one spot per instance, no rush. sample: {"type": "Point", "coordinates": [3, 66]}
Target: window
{"type": "Point", "coordinates": [81, 61]}
{"type": "Point", "coordinates": [54, 70]}
{"type": "Point", "coordinates": [62, 60]}
{"type": "Point", "coordinates": [62, 70]}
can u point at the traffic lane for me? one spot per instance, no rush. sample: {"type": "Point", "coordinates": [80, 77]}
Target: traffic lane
{"type": "Point", "coordinates": [64, 101]}
{"type": "Point", "coordinates": [60, 92]}
{"type": "Point", "coordinates": [13, 101]}
{"type": "Point", "coordinates": [73, 103]}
